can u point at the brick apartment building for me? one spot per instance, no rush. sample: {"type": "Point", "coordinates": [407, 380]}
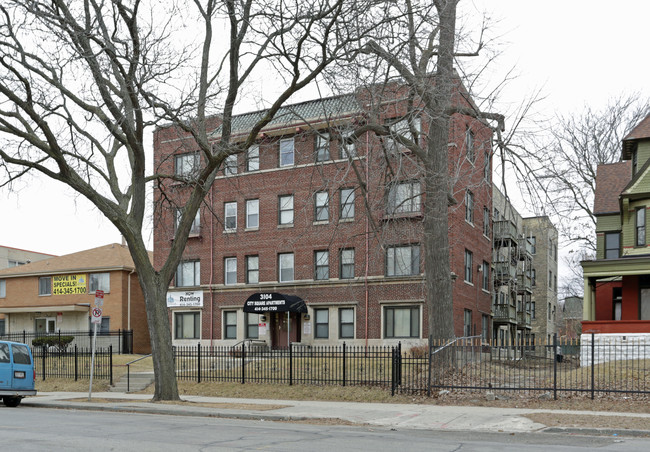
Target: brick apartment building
{"type": "Point", "coordinates": [290, 220]}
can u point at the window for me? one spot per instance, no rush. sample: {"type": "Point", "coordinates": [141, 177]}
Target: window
{"type": "Point", "coordinates": [347, 264]}
{"type": "Point", "coordinates": [469, 145]}
{"type": "Point", "coordinates": [252, 326]}
{"type": "Point", "coordinates": [404, 128]}
{"type": "Point", "coordinates": [321, 265]}
{"type": "Point", "coordinates": [230, 216]}
{"type": "Point", "coordinates": [469, 207]}
{"type": "Point", "coordinates": [548, 312]}
{"type": "Point", "coordinates": [322, 147]}
{"type": "Point", "coordinates": [346, 323]}
{"type": "Point", "coordinates": [468, 266]}
{"type": "Point", "coordinates": [188, 274]}
{"type": "Point", "coordinates": [467, 322]}
{"type": "Point", "coordinates": [533, 277]}
{"type": "Point", "coordinates": [252, 213]}
{"type": "Point", "coordinates": [12, 263]}
{"type": "Point", "coordinates": [322, 328]}
{"type": "Point", "coordinates": [195, 229]}
{"type": "Point", "coordinates": [187, 325]}
{"type": "Point", "coordinates": [485, 327]}
{"type": "Point", "coordinates": [3, 288]}
{"type": "Point", "coordinates": [285, 266]}
{"type": "Point", "coordinates": [230, 165]}
{"type": "Point", "coordinates": [347, 203]}
{"type": "Point", "coordinates": [532, 309]}
{"type": "Point", "coordinates": [640, 226]}
{"type": "Point", "coordinates": [286, 209]}
{"type": "Point", "coordinates": [348, 145]}
{"type": "Point", "coordinates": [550, 279]}
{"type": "Point", "coordinates": [286, 152]}
{"type": "Point", "coordinates": [230, 325]}
{"type": "Point", "coordinates": [486, 222]}
{"type": "Point", "coordinates": [253, 158]}
{"type": "Point", "coordinates": [401, 322]}
{"type": "Point", "coordinates": [99, 281]}
{"type": "Point", "coordinates": [404, 197]}
{"type": "Point", "coordinates": [403, 260]}
{"type": "Point", "coordinates": [486, 167]}
{"type": "Point", "coordinates": [634, 162]}
{"type": "Point", "coordinates": [252, 269]}
{"type": "Point", "coordinates": [230, 270]}
{"type": "Point", "coordinates": [321, 206]}
{"type": "Point", "coordinates": [533, 244]}
{"type": "Point", "coordinates": [186, 165]}
{"type": "Point", "coordinates": [45, 285]}
{"type": "Point", "coordinates": [485, 277]}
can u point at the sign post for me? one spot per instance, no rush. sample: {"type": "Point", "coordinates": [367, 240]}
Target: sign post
{"type": "Point", "coordinates": [95, 319]}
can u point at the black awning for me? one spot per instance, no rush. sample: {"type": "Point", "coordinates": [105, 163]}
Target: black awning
{"type": "Point", "coordinates": [274, 302]}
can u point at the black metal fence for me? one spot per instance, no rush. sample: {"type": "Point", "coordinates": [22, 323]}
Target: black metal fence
{"type": "Point", "coordinates": [73, 363]}
{"type": "Point", "coordinates": [120, 340]}
{"type": "Point", "coordinates": [469, 364]}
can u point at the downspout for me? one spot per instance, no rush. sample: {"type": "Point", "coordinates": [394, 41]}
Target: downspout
{"type": "Point", "coordinates": [367, 232]}
{"type": "Point", "coordinates": [211, 266]}
{"type": "Point", "coordinates": [128, 315]}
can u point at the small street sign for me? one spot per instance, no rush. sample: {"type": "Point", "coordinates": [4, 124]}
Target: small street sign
{"type": "Point", "coordinates": [96, 315]}
{"type": "Point", "coordinates": [99, 298]}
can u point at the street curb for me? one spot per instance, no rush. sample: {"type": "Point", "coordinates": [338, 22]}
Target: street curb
{"type": "Point", "coordinates": [596, 431]}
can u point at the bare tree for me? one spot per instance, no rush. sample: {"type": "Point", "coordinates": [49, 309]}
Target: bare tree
{"type": "Point", "coordinates": [82, 81]}
{"type": "Point", "coordinates": [413, 58]}
{"type": "Point", "coordinates": [566, 165]}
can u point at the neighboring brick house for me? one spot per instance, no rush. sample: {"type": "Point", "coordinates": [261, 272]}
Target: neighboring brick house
{"type": "Point", "coordinates": [56, 294]}
{"type": "Point", "coordinates": [525, 275]}
{"type": "Point", "coordinates": [13, 257]}
{"type": "Point", "coordinates": [617, 283]}
{"type": "Point", "coordinates": [290, 218]}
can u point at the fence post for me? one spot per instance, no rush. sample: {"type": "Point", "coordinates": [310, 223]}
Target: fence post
{"type": "Point", "coordinates": [24, 337]}
{"type": "Point", "coordinates": [399, 363]}
{"type": "Point", "coordinates": [44, 352]}
{"type": "Point", "coordinates": [344, 363]}
{"type": "Point", "coordinates": [554, 366]}
{"type": "Point", "coordinates": [429, 365]}
{"type": "Point", "coordinates": [110, 366]}
{"type": "Point", "coordinates": [290, 364]}
{"type": "Point", "coordinates": [76, 365]}
{"type": "Point", "coordinates": [198, 365]}
{"type": "Point", "coordinates": [392, 374]}
{"type": "Point", "coordinates": [593, 365]}
{"type": "Point", "coordinates": [243, 363]}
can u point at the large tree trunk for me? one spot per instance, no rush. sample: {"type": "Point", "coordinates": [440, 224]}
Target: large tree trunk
{"type": "Point", "coordinates": [155, 292]}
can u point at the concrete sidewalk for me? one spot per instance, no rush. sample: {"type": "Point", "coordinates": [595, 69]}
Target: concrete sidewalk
{"type": "Point", "coordinates": [402, 416]}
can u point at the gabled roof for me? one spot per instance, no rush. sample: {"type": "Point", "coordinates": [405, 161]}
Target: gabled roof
{"type": "Point", "coordinates": [313, 111]}
{"type": "Point", "coordinates": [611, 180]}
{"type": "Point", "coordinates": [640, 132]}
{"type": "Point", "coordinates": [104, 258]}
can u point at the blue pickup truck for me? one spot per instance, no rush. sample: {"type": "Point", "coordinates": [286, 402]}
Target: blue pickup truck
{"type": "Point", "coordinates": [17, 373]}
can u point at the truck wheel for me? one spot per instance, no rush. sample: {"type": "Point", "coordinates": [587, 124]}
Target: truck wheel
{"type": "Point", "coordinates": [11, 401]}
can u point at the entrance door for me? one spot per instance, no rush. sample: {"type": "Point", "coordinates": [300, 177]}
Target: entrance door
{"type": "Point", "coordinates": [644, 305]}
{"type": "Point", "coordinates": [45, 325]}
{"type": "Point", "coordinates": [280, 331]}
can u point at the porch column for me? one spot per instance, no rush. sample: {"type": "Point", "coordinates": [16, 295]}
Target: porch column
{"type": "Point", "coordinates": [588, 301]}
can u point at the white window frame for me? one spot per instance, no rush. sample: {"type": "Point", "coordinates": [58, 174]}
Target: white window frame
{"type": "Point", "coordinates": [230, 271]}
{"type": "Point", "coordinates": [468, 263]}
{"type": "Point", "coordinates": [186, 165]}
{"type": "Point", "coordinates": [348, 150]}
{"type": "Point", "coordinates": [470, 151]}
{"type": "Point", "coordinates": [286, 267]}
{"type": "Point", "coordinates": [287, 152]}
{"type": "Point", "coordinates": [346, 262]}
{"type": "Point", "coordinates": [285, 209]}
{"type": "Point", "coordinates": [252, 268]}
{"type": "Point", "coordinates": [403, 128]}
{"type": "Point", "coordinates": [346, 323]}
{"type": "Point", "coordinates": [413, 324]}
{"type": "Point", "coordinates": [230, 216]}
{"type": "Point", "coordinates": [192, 265]}
{"type": "Point", "coordinates": [321, 265]}
{"type": "Point", "coordinates": [3, 288]}
{"type": "Point", "coordinates": [321, 323]}
{"type": "Point", "coordinates": [322, 145]}
{"type": "Point", "coordinates": [195, 229]}
{"type": "Point", "coordinates": [252, 322]}
{"type": "Point", "coordinates": [469, 207]}
{"type": "Point", "coordinates": [99, 281]}
{"type": "Point", "coordinates": [346, 210]}
{"type": "Point", "coordinates": [321, 206]}
{"type": "Point", "coordinates": [229, 326]}
{"type": "Point", "coordinates": [230, 165]}
{"type": "Point", "coordinates": [45, 286]}
{"type": "Point", "coordinates": [252, 214]}
{"type": "Point", "coordinates": [404, 197]}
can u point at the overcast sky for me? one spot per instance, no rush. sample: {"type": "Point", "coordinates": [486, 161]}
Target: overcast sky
{"type": "Point", "coordinates": [578, 51]}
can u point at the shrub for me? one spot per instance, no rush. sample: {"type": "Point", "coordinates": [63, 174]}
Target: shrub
{"type": "Point", "coordinates": [60, 342]}
{"type": "Point", "coordinates": [419, 351]}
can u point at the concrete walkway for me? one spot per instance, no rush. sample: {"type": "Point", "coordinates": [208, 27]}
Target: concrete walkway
{"type": "Point", "coordinates": [402, 416]}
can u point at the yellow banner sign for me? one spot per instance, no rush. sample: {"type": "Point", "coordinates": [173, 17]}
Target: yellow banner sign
{"type": "Point", "coordinates": [68, 284]}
